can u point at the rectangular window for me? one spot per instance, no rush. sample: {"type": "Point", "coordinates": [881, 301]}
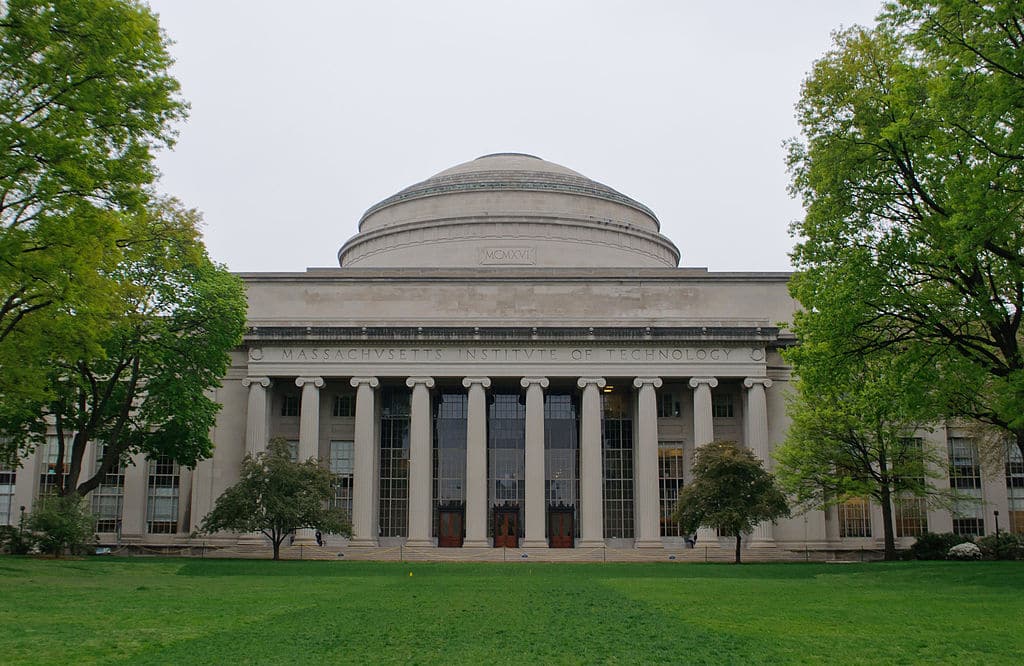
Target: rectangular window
{"type": "Point", "coordinates": [164, 480]}
{"type": "Point", "coordinates": [668, 405]}
{"type": "Point", "coordinates": [964, 466]}
{"type": "Point", "coordinates": [54, 471]}
{"type": "Point", "coordinates": [344, 405]}
{"type": "Point", "coordinates": [506, 452]}
{"type": "Point", "coordinates": [341, 465]}
{"type": "Point", "coordinates": [449, 452]}
{"type": "Point", "coordinates": [854, 518]}
{"type": "Point", "coordinates": [670, 482]}
{"type": "Point", "coordinates": [108, 498]}
{"type": "Point", "coordinates": [721, 405]}
{"type": "Point", "coordinates": [290, 405]}
{"type": "Point", "coordinates": [7, 479]}
{"type": "Point", "coordinates": [911, 516]}
{"type": "Point", "coordinates": [617, 447]}
{"type": "Point", "coordinates": [1015, 487]}
{"type": "Point", "coordinates": [394, 462]}
{"type": "Point", "coordinates": [968, 526]}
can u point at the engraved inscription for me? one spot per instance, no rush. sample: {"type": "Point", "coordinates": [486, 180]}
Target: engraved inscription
{"type": "Point", "coordinates": [543, 355]}
{"type": "Point", "coordinates": [516, 256]}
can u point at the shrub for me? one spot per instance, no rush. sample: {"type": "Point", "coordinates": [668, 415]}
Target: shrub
{"type": "Point", "coordinates": [15, 540]}
{"type": "Point", "coordinates": [934, 546]}
{"type": "Point", "coordinates": [62, 523]}
{"type": "Point", "coordinates": [1006, 546]}
{"type": "Point", "coordinates": [965, 551]}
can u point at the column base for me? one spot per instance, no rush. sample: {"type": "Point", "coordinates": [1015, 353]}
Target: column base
{"type": "Point", "coordinates": [590, 543]}
{"type": "Point", "coordinates": [362, 543]}
{"type": "Point", "coordinates": [707, 538]}
{"type": "Point", "coordinates": [533, 543]}
{"type": "Point", "coordinates": [648, 543]}
{"type": "Point", "coordinates": [476, 543]}
{"type": "Point", "coordinates": [419, 543]}
{"type": "Point", "coordinates": [761, 543]}
{"type": "Point", "coordinates": [250, 539]}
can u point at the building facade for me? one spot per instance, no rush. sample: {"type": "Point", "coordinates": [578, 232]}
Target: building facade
{"type": "Point", "coordinates": [509, 355]}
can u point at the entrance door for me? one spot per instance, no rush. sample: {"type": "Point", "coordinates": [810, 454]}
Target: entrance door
{"type": "Point", "coordinates": [450, 521]}
{"type": "Point", "coordinates": [506, 526]}
{"type": "Point", "coordinates": [561, 526]}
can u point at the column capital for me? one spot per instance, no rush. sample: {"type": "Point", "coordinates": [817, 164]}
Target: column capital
{"type": "Point", "coordinates": [262, 381]}
{"type": "Point", "coordinates": [584, 382]}
{"type": "Point", "coordinates": [750, 382]}
{"type": "Point", "coordinates": [315, 381]}
{"type": "Point", "coordinates": [640, 382]}
{"type": "Point", "coordinates": [526, 382]}
{"type": "Point", "coordinates": [712, 382]}
{"type": "Point", "coordinates": [482, 381]}
{"type": "Point", "coordinates": [372, 382]}
{"type": "Point", "coordinates": [411, 382]}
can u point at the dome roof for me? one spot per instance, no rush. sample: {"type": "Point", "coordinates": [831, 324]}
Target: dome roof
{"type": "Point", "coordinates": [510, 171]}
{"type": "Point", "coordinates": [513, 209]}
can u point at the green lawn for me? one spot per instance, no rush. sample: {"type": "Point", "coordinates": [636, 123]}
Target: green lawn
{"type": "Point", "coordinates": [181, 611]}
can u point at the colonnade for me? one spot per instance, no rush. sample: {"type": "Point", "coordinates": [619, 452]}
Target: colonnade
{"type": "Point", "coordinates": [365, 483]}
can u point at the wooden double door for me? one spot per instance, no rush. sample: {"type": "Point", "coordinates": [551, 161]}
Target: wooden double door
{"type": "Point", "coordinates": [506, 526]}
{"type": "Point", "coordinates": [451, 525]}
{"type": "Point", "coordinates": [561, 526]}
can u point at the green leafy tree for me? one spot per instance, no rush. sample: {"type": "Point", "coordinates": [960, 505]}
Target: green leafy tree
{"type": "Point", "coordinates": [62, 524]}
{"type": "Point", "coordinates": [145, 387]}
{"type": "Point", "coordinates": [909, 170]}
{"type": "Point", "coordinates": [85, 99]}
{"type": "Point", "coordinates": [852, 420]}
{"type": "Point", "coordinates": [276, 496]}
{"type": "Point", "coordinates": [731, 490]}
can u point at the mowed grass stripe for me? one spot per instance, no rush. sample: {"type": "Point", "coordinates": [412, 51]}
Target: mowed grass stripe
{"type": "Point", "coordinates": [217, 611]}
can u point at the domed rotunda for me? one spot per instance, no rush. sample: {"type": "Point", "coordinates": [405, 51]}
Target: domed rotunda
{"type": "Point", "coordinates": [509, 209]}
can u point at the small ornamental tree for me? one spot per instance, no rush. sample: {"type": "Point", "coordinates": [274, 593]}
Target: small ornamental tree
{"type": "Point", "coordinates": [731, 490]}
{"type": "Point", "coordinates": [276, 496]}
{"type": "Point", "coordinates": [62, 523]}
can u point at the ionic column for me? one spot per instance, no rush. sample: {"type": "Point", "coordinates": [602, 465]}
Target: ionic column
{"type": "Point", "coordinates": [419, 462]}
{"type": "Point", "coordinates": [364, 453]}
{"type": "Point", "coordinates": [476, 461]}
{"type": "Point", "coordinates": [645, 473]}
{"type": "Point", "coordinates": [534, 514]}
{"type": "Point", "coordinates": [256, 421]}
{"type": "Point", "coordinates": [256, 415]}
{"type": "Point", "coordinates": [136, 498]}
{"type": "Point", "coordinates": [757, 442]}
{"type": "Point", "coordinates": [591, 509]}
{"type": "Point", "coordinates": [703, 433]}
{"type": "Point", "coordinates": [309, 437]}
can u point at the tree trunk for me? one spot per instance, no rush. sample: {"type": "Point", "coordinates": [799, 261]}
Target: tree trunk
{"type": "Point", "coordinates": [277, 548]}
{"type": "Point", "coordinates": [1019, 436]}
{"type": "Point", "coordinates": [738, 537]}
{"type": "Point", "coordinates": [887, 526]}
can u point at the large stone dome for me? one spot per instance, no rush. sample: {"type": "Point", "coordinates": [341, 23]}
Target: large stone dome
{"type": "Point", "coordinates": [508, 209]}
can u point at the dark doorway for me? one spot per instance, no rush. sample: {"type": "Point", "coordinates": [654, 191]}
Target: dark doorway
{"type": "Point", "coordinates": [506, 526]}
{"type": "Point", "coordinates": [561, 525]}
{"type": "Point", "coordinates": [451, 525]}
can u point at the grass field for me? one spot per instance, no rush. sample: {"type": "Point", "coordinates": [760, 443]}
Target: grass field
{"type": "Point", "coordinates": [147, 611]}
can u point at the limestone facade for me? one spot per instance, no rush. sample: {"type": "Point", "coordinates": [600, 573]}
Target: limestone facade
{"type": "Point", "coordinates": [507, 333]}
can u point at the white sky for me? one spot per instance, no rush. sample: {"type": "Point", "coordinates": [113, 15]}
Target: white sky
{"type": "Point", "coordinates": [304, 114]}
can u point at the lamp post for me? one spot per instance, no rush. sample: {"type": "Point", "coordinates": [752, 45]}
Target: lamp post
{"type": "Point", "coordinates": [996, 512]}
{"type": "Point", "coordinates": [21, 525]}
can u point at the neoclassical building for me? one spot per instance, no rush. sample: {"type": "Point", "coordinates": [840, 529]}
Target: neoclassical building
{"type": "Point", "coordinates": [508, 355]}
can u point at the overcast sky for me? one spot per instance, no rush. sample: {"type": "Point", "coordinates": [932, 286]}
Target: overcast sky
{"type": "Point", "coordinates": [304, 114]}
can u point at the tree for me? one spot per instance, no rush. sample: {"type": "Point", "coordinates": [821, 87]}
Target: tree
{"type": "Point", "coordinates": [85, 99]}
{"type": "Point", "coordinates": [853, 416]}
{"type": "Point", "coordinates": [146, 385]}
{"type": "Point", "coordinates": [909, 171]}
{"type": "Point", "coordinates": [276, 496]}
{"type": "Point", "coordinates": [731, 490]}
